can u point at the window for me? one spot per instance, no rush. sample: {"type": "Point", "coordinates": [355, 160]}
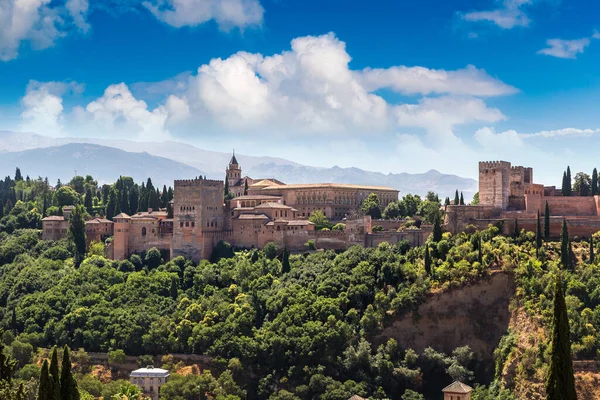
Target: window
{"type": "Point", "coordinates": [193, 224]}
{"type": "Point", "coordinates": [181, 224]}
{"type": "Point", "coordinates": [187, 224]}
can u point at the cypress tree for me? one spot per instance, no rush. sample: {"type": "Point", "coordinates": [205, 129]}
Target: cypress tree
{"type": "Point", "coordinates": [173, 289]}
{"type": "Point", "coordinates": [44, 206]}
{"type": "Point", "coordinates": [480, 251]}
{"type": "Point", "coordinates": [462, 199]}
{"type": "Point", "coordinates": [547, 222]}
{"type": "Point", "coordinates": [1, 209]}
{"type": "Point", "coordinates": [456, 199]}
{"type": "Point", "coordinates": [245, 187]}
{"type": "Point", "coordinates": [134, 198]}
{"type": "Point", "coordinates": [87, 202]}
{"type": "Point", "coordinates": [111, 204]}
{"type": "Point", "coordinates": [565, 256]}
{"type": "Point", "coordinates": [169, 210]}
{"type": "Point", "coordinates": [437, 228]}
{"type": "Point", "coordinates": [124, 197]}
{"type": "Point", "coordinates": [14, 325]}
{"type": "Point", "coordinates": [565, 185]}
{"type": "Point", "coordinates": [170, 193]}
{"type": "Point", "coordinates": [226, 189]}
{"type": "Point", "coordinates": [592, 256]}
{"type": "Point", "coordinates": [54, 374]}
{"type": "Point", "coordinates": [595, 182]}
{"type": "Point", "coordinates": [569, 181]}
{"type": "Point", "coordinates": [76, 237]}
{"type": "Point", "coordinates": [517, 232]}
{"type": "Point", "coordinates": [68, 384]}
{"type": "Point", "coordinates": [285, 264]}
{"type": "Point", "coordinates": [164, 196]}
{"type": "Point", "coordinates": [447, 201]}
{"type": "Point", "coordinates": [18, 176]}
{"type": "Point", "coordinates": [560, 384]}
{"type": "Point", "coordinates": [45, 387]}
{"type": "Point", "coordinates": [427, 260]}
{"type": "Point", "coordinates": [538, 233]}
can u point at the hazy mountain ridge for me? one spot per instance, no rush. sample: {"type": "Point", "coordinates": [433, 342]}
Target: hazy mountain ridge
{"type": "Point", "coordinates": [105, 164]}
{"type": "Point", "coordinates": [200, 162]}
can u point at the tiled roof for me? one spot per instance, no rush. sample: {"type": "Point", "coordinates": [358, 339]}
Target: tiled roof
{"type": "Point", "coordinates": [148, 214]}
{"type": "Point", "coordinates": [93, 221]}
{"type": "Point", "coordinates": [54, 218]}
{"type": "Point", "coordinates": [273, 205]}
{"type": "Point", "coordinates": [256, 197]}
{"type": "Point", "coordinates": [103, 220]}
{"type": "Point", "coordinates": [457, 387]}
{"type": "Point", "coordinates": [122, 215]}
{"type": "Point", "coordinates": [252, 216]}
{"type": "Point", "coordinates": [264, 182]}
{"type": "Point", "coordinates": [300, 222]}
{"type": "Point", "coordinates": [150, 371]}
{"type": "Point", "coordinates": [356, 397]}
{"type": "Point", "coordinates": [233, 160]}
{"type": "Point", "coordinates": [328, 186]}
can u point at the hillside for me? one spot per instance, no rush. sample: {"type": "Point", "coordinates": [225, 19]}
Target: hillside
{"type": "Point", "coordinates": [105, 164]}
{"type": "Point", "coordinates": [214, 163]}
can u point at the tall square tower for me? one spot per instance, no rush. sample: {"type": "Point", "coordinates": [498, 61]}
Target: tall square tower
{"type": "Point", "coordinates": [494, 184]}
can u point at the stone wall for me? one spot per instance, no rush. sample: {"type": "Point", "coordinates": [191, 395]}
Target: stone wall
{"type": "Point", "coordinates": [572, 205]}
{"type": "Point", "coordinates": [494, 183]}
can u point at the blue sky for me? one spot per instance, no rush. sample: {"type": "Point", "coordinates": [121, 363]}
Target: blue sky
{"type": "Point", "coordinates": [389, 86]}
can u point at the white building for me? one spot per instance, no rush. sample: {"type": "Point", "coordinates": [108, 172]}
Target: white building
{"type": "Point", "coordinates": [150, 380]}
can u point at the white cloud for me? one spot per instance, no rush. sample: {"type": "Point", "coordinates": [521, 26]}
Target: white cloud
{"type": "Point", "coordinates": [565, 48]}
{"type": "Point", "coordinates": [119, 113]}
{"type": "Point", "coordinates": [43, 108]}
{"type": "Point", "coordinates": [418, 80]}
{"type": "Point", "coordinates": [508, 16]}
{"type": "Point", "coordinates": [38, 22]}
{"type": "Point", "coordinates": [558, 133]}
{"type": "Point", "coordinates": [490, 140]}
{"type": "Point", "coordinates": [227, 13]}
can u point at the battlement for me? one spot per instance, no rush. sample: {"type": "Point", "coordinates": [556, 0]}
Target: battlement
{"type": "Point", "coordinates": [517, 167]}
{"type": "Point", "coordinates": [197, 182]}
{"type": "Point", "coordinates": [493, 164]}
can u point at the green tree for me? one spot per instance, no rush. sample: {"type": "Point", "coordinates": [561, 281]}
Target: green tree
{"type": "Point", "coordinates": [437, 229]}
{"type": "Point", "coordinates": [45, 387]}
{"type": "Point", "coordinates": [66, 196]}
{"type": "Point", "coordinates": [54, 373]}
{"type": "Point", "coordinates": [595, 182]}
{"type": "Point", "coordinates": [592, 256]}
{"type": "Point", "coordinates": [134, 199]}
{"type": "Point", "coordinates": [164, 196]}
{"type": "Point", "coordinates": [270, 250]}
{"type": "Point", "coordinates": [538, 233]}
{"type": "Point", "coordinates": [392, 210]}
{"type": "Point", "coordinates": [447, 201]}
{"type": "Point", "coordinates": [153, 258]}
{"type": "Point", "coordinates": [456, 198]}
{"type": "Point", "coordinates": [68, 384]}
{"type": "Point", "coordinates": [565, 246]}
{"type": "Point", "coordinates": [547, 222]}
{"type": "Point", "coordinates": [475, 200]}
{"type": "Point", "coordinates": [560, 383]}
{"type": "Point", "coordinates": [582, 184]}
{"type": "Point", "coordinates": [371, 206]}
{"type": "Point", "coordinates": [117, 356]}
{"type": "Point", "coordinates": [427, 260]}
{"type": "Point", "coordinates": [462, 199]}
{"type": "Point", "coordinates": [124, 199]}
{"type": "Point", "coordinates": [76, 235]}
{"type": "Point", "coordinates": [18, 176]}
{"type": "Point", "coordinates": [285, 263]}
{"type": "Point", "coordinates": [517, 232]}
{"type": "Point", "coordinates": [87, 202]}
{"type": "Point", "coordinates": [319, 218]}
{"type": "Point", "coordinates": [245, 187]}
{"type": "Point", "coordinates": [111, 205]}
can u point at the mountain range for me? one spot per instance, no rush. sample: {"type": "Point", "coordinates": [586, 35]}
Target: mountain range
{"type": "Point", "coordinates": [105, 160]}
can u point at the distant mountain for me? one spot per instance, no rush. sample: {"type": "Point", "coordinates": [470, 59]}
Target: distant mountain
{"type": "Point", "coordinates": [443, 184]}
{"type": "Point", "coordinates": [105, 164]}
{"type": "Point", "coordinates": [213, 165]}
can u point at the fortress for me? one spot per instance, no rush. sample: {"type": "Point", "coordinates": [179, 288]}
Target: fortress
{"type": "Point", "coordinates": [261, 211]}
{"type": "Point", "coordinates": [508, 195]}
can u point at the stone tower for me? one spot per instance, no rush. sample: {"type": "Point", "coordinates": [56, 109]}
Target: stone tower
{"type": "Point", "coordinates": [234, 172]}
{"type": "Point", "coordinates": [198, 217]}
{"type": "Point", "coordinates": [494, 184]}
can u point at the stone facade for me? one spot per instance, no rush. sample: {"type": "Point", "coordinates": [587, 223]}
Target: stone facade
{"type": "Point", "coordinates": [150, 380]}
{"type": "Point", "coordinates": [508, 194]}
{"type": "Point", "coordinates": [270, 211]}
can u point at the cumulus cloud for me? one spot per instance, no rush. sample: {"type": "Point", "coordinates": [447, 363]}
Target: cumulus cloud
{"type": "Point", "coordinates": [37, 22]}
{"type": "Point", "coordinates": [509, 16]}
{"type": "Point", "coordinates": [227, 13]}
{"type": "Point", "coordinates": [43, 106]}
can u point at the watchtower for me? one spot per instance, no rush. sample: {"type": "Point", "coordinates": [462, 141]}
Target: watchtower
{"type": "Point", "coordinates": [198, 212]}
{"type": "Point", "coordinates": [234, 172]}
{"type": "Point", "coordinates": [457, 391]}
{"type": "Point", "coordinates": [494, 184]}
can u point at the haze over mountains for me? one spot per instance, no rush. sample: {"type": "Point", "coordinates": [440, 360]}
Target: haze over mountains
{"type": "Point", "coordinates": [164, 162]}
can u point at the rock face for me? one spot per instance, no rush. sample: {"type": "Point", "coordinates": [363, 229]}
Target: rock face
{"type": "Point", "coordinates": [476, 315]}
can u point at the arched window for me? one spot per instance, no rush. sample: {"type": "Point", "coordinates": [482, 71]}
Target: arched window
{"type": "Point", "coordinates": [144, 231]}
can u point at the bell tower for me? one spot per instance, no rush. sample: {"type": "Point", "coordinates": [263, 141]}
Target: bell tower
{"type": "Point", "coordinates": [234, 172]}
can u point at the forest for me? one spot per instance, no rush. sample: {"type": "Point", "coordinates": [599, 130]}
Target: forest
{"type": "Point", "coordinates": [275, 325]}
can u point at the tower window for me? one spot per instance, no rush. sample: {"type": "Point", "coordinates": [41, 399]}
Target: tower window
{"type": "Point", "coordinates": [144, 231]}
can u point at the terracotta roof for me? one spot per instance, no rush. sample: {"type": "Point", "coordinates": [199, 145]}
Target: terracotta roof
{"type": "Point", "coordinates": [54, 218]}
{"type": "Point", "coordinates": [264, 182]}
{"type": "Point", "coordinates": [243, 209]}
{"type": "Point", "coordinates": [93, 221]}
{"type": "Point", "coordinates": [329, 186]}
{"type": "Point", "coordinates": [300, 222]}
{"type": "Point", "coordinates": [457, 387]}
{"type": "Point", "coordinates": [253, 216]}
{"type": "Point", "coordinates": [122, 215]}
{"type": "Point", "coordinates": [356, 397]}
{"type": "Point", "coordinates": [103, 220]}
{"type": "Point", "coordinates": [256, 197]}
{"type": "Point", "coordinates": [148, 214]}
{"type": "Point", "coordinates": [273, 205]}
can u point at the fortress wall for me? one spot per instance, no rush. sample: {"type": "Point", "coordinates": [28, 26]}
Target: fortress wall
{"type": "Point", "coordinates": [572, 206]}
{"type": "Point", "coordinates": [577, 227]}
{"type": "Point", "coordinates": [494, 183]}
{"type": "Point", "coordinates": [388, 225]}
